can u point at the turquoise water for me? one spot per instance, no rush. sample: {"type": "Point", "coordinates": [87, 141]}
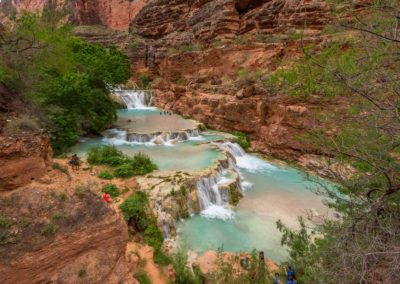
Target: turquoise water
{"type": "Point", "coordinates": [185, 156]}
{"type": "Point", "coordinates": [151, 120]}
{"type": "Point", "coordinates": [276, 193]}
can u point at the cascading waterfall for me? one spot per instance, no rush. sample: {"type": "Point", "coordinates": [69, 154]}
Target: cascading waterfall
{"type": "Point", "coordinates": [163, 219]}
{"type": "Point", "coordinates": [213, 198]}
{"type": "Point", "coordinates": [118, 137]}
{"type": "Point", "coordinates": [244, 161]}
{"type": "Point", "coordinates": [135, 99]}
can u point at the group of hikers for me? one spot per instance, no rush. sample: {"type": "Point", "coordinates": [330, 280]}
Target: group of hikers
{"type": "Point", "coordinates": [165, 112]}
{"type": "Point", "coordinates": [290, 276]}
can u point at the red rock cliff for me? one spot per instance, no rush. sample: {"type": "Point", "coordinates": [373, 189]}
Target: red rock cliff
{"type": "Point", "coordinates": [115, 14]}
{"type": "Point", "coordinates": [208, 59]}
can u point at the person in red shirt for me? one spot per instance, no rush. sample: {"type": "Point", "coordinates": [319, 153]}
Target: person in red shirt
{"type": "Point", "coordinates": [106, 198]}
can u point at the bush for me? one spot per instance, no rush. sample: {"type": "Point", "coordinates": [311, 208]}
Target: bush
{"type": "Point", "coordinates": [105, 175]}
{"type": "Point", "coordinates": [135, 210]}
{"type": "Point", "coordinates": [105, 155]}
{"type": "Point", "coordinates": [142, 277]}
{"type": "Point", "coordinates": [161, 258]}
{"type": "Point", "coordinates": [144, 80]}
{"type": "Point", "coordinates": [242, 139]}
{"type": "Point", "coordinates": [49, 229]}
{"type": "Point", "coordinates": [111, 189]}
{"type": "Point", "coordinates": [126, 167]}
{"type": "Point", "coordinates": [153, 235]}
{"type": "Point", "coordinates": [4, 222]}
{"type": "Point", "coordinates": [124, 171]}
{"type": "Point", "coordinates": [21, 125]}
{"type": "Point", "coordinates": [183, 274]}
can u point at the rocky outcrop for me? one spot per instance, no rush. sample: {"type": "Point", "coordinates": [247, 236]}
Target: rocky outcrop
{"type": "Point", "coordinates": [115, 14]}
{"type": "Point", "coordinates": [211, 56]}
{"type": "Point", "coordinates": [23, 160]}
{"type": "Point", "coordinates": [181, 21]}
{"type": "Point", "coordinates": [59, 235]}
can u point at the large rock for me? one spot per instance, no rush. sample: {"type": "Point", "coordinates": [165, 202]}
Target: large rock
{"type": "Point", "coordinates": [55, 239]}
{"type": "Point", "coordinates": [23, 159]}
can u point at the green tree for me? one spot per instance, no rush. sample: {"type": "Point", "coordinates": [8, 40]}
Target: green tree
{"type": "Point", "coordinates": [68, 79]}
{"type": "Point", "coordinates": [361, 244]}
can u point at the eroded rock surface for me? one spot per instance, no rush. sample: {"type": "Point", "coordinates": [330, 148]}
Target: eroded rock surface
{"type": "Point", "coordinates": [23, 160]}
{"type": "Point", "coordinates": [116, 14]}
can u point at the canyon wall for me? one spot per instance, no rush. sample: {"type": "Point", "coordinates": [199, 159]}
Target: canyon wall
{"type": "Point", "coordinates": [208, 60]}
{"type": "Point", "coordinates": [115, 14]}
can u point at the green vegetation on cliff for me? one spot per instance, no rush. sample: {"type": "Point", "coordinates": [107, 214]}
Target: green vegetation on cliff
{"type": "Point", "coordinates": [360, 245]}
{"type": "Point", "coordinates": [66, 78]}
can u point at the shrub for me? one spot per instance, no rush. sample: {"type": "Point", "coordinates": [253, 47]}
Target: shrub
{"type": "Point", "coordinates": [105, 155]}
{"type": "Point", "coordinates": [21, 125]}
{"type": "Point", "coordinates": [183, 274]}
{"type": "Point", "coordinates": [124, 171]}
{"type": "Point", "coordinates": [63, 196]}
{"type": "Point", "coordinates": [111, 189]}
{"type": "Point", "coordinates": [82, 273]}
{"type": "Point", "coordinates": [242, 139]}
{"type": "Point", "coordinates": [153, 235]}
{"type": "Point", "coordinates": [49, 229]}
{"type": "Point", "coordinates": [142, 277]}
{"type": "Point", "coordinates": [4, 222]}
{"type": "Point", "coordinates": [126, 167]}
{"type": "Point", "coordinates": [180, 81]}
{"type": "Point", "coordinates": [144, 80]}
{"type": "Point", "coordinates": [105, 175]}
{"type": "Point", "coordinates": [161, 258]}
{"type": "Point", "coordinates": [135, 210]}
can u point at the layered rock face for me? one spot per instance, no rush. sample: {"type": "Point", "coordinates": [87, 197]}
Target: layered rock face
{"type": "Point", "coordinates": [116, 14]}
{"type": "Point", "coordinates": [67, 238]}
{"type": "Point", "coordinates": [23, 160]}
{"type": "Point", "coordinates": [208, 59]}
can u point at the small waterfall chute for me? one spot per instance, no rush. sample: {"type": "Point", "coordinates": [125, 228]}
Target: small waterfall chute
{"type": "Point", "coordinates": [135, 99]}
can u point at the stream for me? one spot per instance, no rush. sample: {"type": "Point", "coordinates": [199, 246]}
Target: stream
{"type": "Point", "coordinates": [271, 191]}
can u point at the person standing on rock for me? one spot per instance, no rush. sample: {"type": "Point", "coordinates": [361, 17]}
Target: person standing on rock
{"type": "Point", "coordinates": [75, 162]}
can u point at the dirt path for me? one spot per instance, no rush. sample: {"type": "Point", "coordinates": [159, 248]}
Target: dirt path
{"type": "Point", "coordinates": [156, 275]}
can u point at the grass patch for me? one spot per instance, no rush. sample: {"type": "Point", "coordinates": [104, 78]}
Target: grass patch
{"type": "Point", "coordinates": [105, 175]}
{"type": "Point", "coordinates": [111, 189]}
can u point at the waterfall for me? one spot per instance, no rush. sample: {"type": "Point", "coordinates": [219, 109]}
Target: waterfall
{"type": "Point", "coordinates": [213, 198]}
{"type": "Point", "coordinates": [251, 163]}
{"type": "Point", "coordinates": [135, 98]}
{"type": "Point", "coordinates": [119, 137]}
{"type": "Point", "coordinates": [233, 148]}
{"type": "Point", "coordinates": [163, 219]}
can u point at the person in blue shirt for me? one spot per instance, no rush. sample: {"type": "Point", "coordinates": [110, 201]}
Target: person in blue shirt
{"type": "Point", "coordinates": [292, 280]}
{"type": "Point", "coordinates": [289, 272]}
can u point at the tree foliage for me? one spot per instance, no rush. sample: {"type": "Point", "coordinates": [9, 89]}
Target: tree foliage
{"type": "Point", "coordinates": [362, 244]}
{"type": "Point", "coordinates": [67, 78]}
